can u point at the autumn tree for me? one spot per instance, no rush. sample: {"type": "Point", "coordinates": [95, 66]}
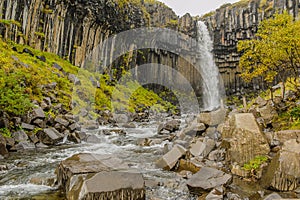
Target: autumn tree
{"type": "Point", "coordinates": [274, 52]}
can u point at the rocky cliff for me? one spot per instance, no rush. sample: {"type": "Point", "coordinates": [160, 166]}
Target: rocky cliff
{"type": "Point", "coordinates": [233, 22]}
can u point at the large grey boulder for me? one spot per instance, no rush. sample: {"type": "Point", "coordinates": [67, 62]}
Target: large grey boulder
{"type": "Point", "coordinates": [268, 113]}
{"type": "Point", "coordinates": [207, 179]}
{"type": "Point", "coordinates": [112, 185]}
{"type": "Point", "coordinates": [212, 118]}
{"type": "Point", "coordinates": [50, 136]}
{"type": "Point", "coordinates": [169, 126]}
{"type": "Point", "coordinates": [285, 135]}
{"type": "Point", "coordinates": [202, 148]}
{"type": "Point", "coordinates": [243, 139]}
{"type": "Point", "coordinates": [169, 160]}
{"type": "Point", "coordinates": [37, 113]}
{"type": "Point", "coordinates": [19, 136]}
{"type": "Point", "coordinates": [283, 173]}
{"type": "Point", "coordinates": [272, 196]}
{"type": "Point", "coordinates": [73, 170]}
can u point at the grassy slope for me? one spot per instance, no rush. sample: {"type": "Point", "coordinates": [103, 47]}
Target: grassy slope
{"type": "Point", "coordinates": [33, 73]}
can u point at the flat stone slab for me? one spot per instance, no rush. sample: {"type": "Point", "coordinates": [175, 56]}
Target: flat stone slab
{"type": "Point", "coordinates": [85, 163]}
{"type": "Point", "coordinates": [207, 179]}
{"type": "Point", "coordinates": [112, 185]}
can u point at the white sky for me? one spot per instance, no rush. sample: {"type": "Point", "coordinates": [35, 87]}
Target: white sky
{"type": "Point", "coordinates": [195, 7]}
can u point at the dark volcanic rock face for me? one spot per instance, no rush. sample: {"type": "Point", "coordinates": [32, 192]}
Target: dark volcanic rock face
{"type": "Point", "coordinates": [233, 22]}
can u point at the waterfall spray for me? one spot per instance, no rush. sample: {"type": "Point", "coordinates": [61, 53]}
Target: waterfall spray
{"type": "Point", "coordinates": [209, 70]}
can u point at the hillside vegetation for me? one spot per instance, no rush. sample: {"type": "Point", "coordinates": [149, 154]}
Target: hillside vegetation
{"type": "Point", "coordinates": [28, 76]}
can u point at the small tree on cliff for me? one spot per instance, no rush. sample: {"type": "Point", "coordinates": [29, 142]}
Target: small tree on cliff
{"type": "Point", "coordinates": [274, 52]}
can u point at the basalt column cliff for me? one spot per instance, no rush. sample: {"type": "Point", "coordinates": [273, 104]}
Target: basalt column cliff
{"type": "Point", "coordinates": [233, 22]}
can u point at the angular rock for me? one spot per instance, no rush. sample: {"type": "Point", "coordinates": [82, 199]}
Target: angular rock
{"type": "Point", "coordinates": [103, 185]}
{"type": "Point", "coordinates": [260, 101]}
{"type": "Point", "coordinates": [189, 165]}
{"type": "Point", "coordinates": [75, 126]}
{"type": "Point", "coordinates": [216, 194]}
{"type": "Point", "coordinates": [169, 160]}
{"type": "Point", "coordinates": [24, 145]}
{"type": "Point", "coordinates": [27, 126]}
{"type": "Point", "coordinates": [93, 139]}
{"type": "Point", "coordinates": [243, 139]}
{"type": "Point", "coordinates": [202, 148]}
{"type": "Point", "coordinates": [169, 126]}
{"type": "Point", "coordinates": [61, 121]}
{"type": "Point", "coordinates": [207, 179]}
{"type": "Point", "coordinates": [57, 66]}
{"type": "Point", "coordinates": [19, 136]}
{"type": "Point", "coordinates": [50, 136]}
{"type": "Point", "coordinates": [272, 196]}
{"type": "Point", "coordinates": [283, 173]}
{"type": "Point", "coordinates": [268, 113]}
{"type": "Point", "coordinates": [82, 164]}
{"type": "Point", "coordinates": [37, 113]}
{"type": "Point", "coordinates": [40, 123]}
{"type": "Point", "coordinates": [213, 118]}
{"type": "Point", "coordinates": [74, 79]}
{"type": "Point", "coordinates": [285, 135]}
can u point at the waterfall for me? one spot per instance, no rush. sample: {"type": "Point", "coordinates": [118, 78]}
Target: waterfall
{"type": "Point", "coordinates": [209, 70]}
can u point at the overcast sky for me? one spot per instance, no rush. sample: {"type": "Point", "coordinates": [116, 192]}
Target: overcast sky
{"type": "Point", "coordinates": [195, 7]}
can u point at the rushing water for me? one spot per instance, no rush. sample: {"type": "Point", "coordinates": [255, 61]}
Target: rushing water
{"type": "Point", "coordinates": [209, 70]}
{"type": "Point", "coordinates": [17, 182]}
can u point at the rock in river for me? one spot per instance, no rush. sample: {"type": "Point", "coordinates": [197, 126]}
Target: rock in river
{"type": "Point", "coordinates": [113, 185]}
{"type": "Point", "coordinates": [207, 179]}
{"type": "Point", "coordinates": [93, 176]}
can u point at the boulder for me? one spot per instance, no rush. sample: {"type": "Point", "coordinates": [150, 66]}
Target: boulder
{"type": "Point", "coordinates": [24, 145]}
{"type": "Point", "coordinates": [267, 113]}
{"type": "Point", "coordinates": [74, 79]}
{"type": "Point", "coordinates": [213, 118]}
{"type": "Point", "coordinates": [103, 185]}
{"type": "Point", "coordinates": [61, 121]}
{"type": "Point", "coordinates": [189, 165]}
{"type": "Point", "coordinates": [83, 164]}
{"type": "Point", "coordinates": [27, 126]}
{"type": "Point", "coordinates": [272, 196]}
{"type": "Point", "coordinates": [202, 148]}
{"type": "Point", "coordinates": [283, 173]}
{"type": "Point", "coordinates": [260, 102]}
{"type": "Point", "coordinates": [169, 160]}
{"type": "Point", "coordinates": [37, 113]}
{"type": "Point", "coordinates": [40, 123]}
{"type": "Point", "coordinates": [50, 136]}
{"type": "Point", "coordinates": [74, 126]}
{"type": "Point", "coordinates": [57, 66]}
{"type": "Point", "coordinates": [207, 179]}
{"type": "Point", "coordinates": [243, 139]}
{"type": "Point", "coordinates": [285, 135]}
{"type": "Point", "coordinates": [19, 136]}
{"type": "Point", "coordinates": [169, 126]}
{"type": "Point", "coordinates": [121, 118]}
{"type": "Point", "coordinates": [194, 129]}
{"type": "Point", "coordinates": [216, 194]}
{"type": "Point", "coordinates": [93, 139]}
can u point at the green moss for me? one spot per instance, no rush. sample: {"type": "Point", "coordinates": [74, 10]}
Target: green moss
{"type": "Point", "coordinates": [255, 163]}
{"type": "Point", "coordinates": [208, 14]}
{"type": "Point", "coordinates": [5, 132]}
{"type": "Point", "coordinates": [10, 22]}
{"type": "Point", "coordinates": [40, 34]}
